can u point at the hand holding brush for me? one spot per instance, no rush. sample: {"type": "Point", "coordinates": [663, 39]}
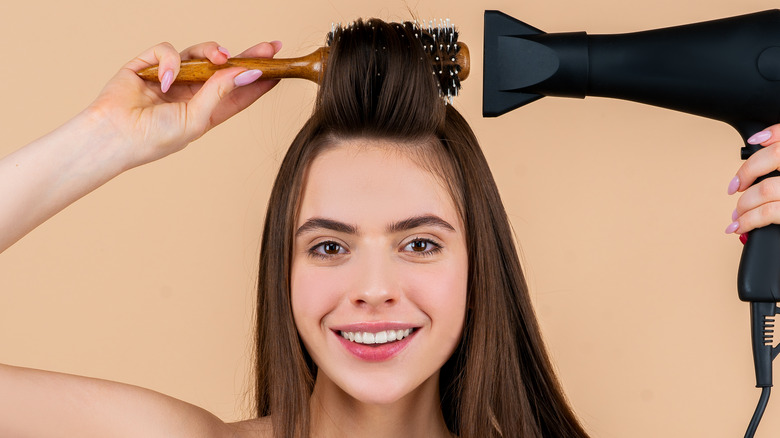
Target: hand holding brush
{"type": "Point", "coordinates": [449, 61]}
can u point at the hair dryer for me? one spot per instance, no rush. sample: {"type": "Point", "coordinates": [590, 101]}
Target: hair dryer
{"type": "Point", "coordinates": [727, 70]}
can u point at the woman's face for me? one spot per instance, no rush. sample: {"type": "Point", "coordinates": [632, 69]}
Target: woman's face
{"type": "Point", "coordinates": [379, 271]}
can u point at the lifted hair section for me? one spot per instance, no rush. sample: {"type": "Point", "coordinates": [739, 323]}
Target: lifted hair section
{"type": "Point", "coordinates": [379, 83]}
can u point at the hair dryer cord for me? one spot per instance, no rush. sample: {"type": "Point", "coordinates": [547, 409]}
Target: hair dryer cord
{"type": "Point", "coordinates": [762, 402]}
{"type": "Point", "coordinates": [762, 329]}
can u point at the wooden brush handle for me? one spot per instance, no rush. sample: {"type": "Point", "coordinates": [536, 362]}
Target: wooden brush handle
{"type": "Point", "coordinates": [308, 67]}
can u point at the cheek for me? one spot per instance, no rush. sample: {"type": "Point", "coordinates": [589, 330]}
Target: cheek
{"type": "Point", "coordinates": [440, 292]}
{"type": "Point", "coordinates": [314, 294]}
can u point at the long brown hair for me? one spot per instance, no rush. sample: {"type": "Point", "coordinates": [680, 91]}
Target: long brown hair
{"type": "Point", "coordinates": [499, 381]}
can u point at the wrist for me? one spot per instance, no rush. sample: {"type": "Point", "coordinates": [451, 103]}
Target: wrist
{"type": "Point", "coordinates": [100, 142]}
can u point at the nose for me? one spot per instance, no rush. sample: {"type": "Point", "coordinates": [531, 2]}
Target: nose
{"type": "Point", "coordinates": [376, 282]}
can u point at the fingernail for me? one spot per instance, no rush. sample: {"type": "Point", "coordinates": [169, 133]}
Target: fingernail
{"type": "Point", "coordinates": [167, 80]}
{"type": "Point", "coordinates": [733, 185]}
{"type": "Point", "coordinates": [732, 227]}
{"type": "Point", "coordinates": [224, 50]}
{"type": "Point", "coordinates": [247, 77]}
{"type": "Point", "coordinates": [743, 238]}
{"type": "Point", "coordinates": [760, 137]}
{"type": "Point", "coordinates": [734, 215]}
{"type": "Point", "coordinates": [277, 44]}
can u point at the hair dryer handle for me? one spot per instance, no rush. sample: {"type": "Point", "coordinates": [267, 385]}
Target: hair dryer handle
{"type": "Point", "coordinates": [758, 278]}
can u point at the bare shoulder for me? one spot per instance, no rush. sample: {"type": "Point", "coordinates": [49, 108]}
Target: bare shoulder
{"type": "Point", "coordinates": [254, 428]}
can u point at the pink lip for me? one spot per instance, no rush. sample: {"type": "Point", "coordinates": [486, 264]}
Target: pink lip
{"type": "Point", "coordinates": [375, 352]}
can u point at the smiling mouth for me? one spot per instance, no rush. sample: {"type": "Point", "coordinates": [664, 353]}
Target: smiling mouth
{"type": "Point", "coordinates": [374, 338]}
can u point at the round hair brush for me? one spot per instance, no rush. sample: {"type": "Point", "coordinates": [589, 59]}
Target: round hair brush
{"type": "Point", "coordinates": [449, 61]}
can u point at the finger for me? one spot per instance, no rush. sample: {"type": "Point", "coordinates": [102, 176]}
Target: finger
{"type": "Point", "coordinates": [165, 56]}
{"type": "Point", "coordinates": [766, 137]}
{"type": "Point", "coordinates": [214, 91]}
{"type": "Point", "coordinates": [758, 217]}
{"type": "Point", "coordinates": [222, 99]}
{"type": "Point", "coordinates": [209, 50]}
{"type": "Point", "coordinates": [245, 96]}
{"type": "Point", "coordinates": [262, 50]}
{"type": "Point", "coordinates": [764, 192]}
{"type": "Point", "coordinates": [153, 56]}
{"type": "Point", "coordinates": [760, 163]}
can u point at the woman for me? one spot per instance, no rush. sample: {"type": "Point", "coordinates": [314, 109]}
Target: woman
{"type": "Point", "coordinates": [390, 300]}
{"type": "Point", "coordinates": [370, 110]}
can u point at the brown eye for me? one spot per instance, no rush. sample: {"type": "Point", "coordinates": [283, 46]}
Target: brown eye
{"type": "Point", "coordinates": [331, 248]}
{"type": "Point", "coordinates": [327, 250]}
{"type": "Point", "coordinates": [419, 245]}
{"type": "Point", "coordinates": [422, 247]}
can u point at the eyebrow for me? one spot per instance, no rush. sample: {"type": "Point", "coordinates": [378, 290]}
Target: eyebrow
{"type": "Point", "coordinates": [419, 221]}
{"type": "Point", "coordinates": [317, 223]}
{"type": "Point", "coordinates": [406, 224]}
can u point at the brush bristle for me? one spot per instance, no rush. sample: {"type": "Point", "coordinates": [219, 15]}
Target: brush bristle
{"type": "Point", "coordinates": [440, 43]}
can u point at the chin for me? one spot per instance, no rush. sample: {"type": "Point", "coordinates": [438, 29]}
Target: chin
{"type": "Point", "coordinates": [373, 389]}
{"type": "Point", "coordinates": [377, 396]}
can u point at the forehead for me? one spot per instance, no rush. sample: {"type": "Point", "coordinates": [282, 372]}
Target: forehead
{"type": "Point", "coordinates": [373, 180]}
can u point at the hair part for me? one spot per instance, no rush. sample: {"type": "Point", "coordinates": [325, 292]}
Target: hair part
{"type": "Point", "coordinates": [499, 381]}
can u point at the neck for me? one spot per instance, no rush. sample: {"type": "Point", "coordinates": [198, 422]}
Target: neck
{"type": "Point", "coordinates": [334, 413]}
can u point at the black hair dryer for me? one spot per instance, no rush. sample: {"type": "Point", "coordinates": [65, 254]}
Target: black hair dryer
{"type": "Point", "coordinates": [727, 70]}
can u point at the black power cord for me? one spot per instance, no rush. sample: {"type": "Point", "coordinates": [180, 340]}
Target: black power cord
{"type": "Point", "coordinates": [762, 402]}
{"type": "Point", "coordinates": [762, 329]}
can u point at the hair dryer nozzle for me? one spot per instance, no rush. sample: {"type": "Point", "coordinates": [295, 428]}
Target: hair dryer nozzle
{"type": "Point", "coordinates": [522, 64]}
{"type": "Point", "coordinates": [498, 97]}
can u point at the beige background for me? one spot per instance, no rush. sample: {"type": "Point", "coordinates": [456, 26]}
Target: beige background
{"type": "Point", "coordinates": [619, 208]}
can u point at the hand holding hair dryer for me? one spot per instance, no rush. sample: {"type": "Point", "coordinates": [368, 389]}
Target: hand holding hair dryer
{"type": "Point", "coordinates": [727, 70]}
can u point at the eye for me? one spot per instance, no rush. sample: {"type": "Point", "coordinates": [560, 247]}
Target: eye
{"type": "Point", "coordinates": [326, 250]}
{"type": "Point", "coordinates": [331, 248]}
{"type": "Point", "coordinates": [418, 245]}
{"type": "Point", "coordinates": [422, 246]}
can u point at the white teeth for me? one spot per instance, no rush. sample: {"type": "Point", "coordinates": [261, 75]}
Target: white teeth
{"type": "Point", "coordinates": [376, 338]}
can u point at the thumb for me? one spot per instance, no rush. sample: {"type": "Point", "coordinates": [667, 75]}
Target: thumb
{"type": "Point", "coordinates": [203, 104]}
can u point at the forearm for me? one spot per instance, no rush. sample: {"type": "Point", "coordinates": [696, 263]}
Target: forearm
{"type": "Point", "coordinates": [47, 175]}
{"type": "Point", "coordinates": [45, 404]}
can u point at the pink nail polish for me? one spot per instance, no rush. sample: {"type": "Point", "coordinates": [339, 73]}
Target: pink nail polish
{"type": "Point", "coordinates": [167, 80]}
{"type": "Point", "coordinates": [224, 50]}
{"type": "Point", "coordinates": [760, 137]}
{"type": "Point", "coordinates": [732, 227]}
{"type": "Point", "coordinates": [247, 77]}
{"type": "Point", "coordinates": [734, 215]}
{"type": "Point", "coordinates": [733, 185]}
